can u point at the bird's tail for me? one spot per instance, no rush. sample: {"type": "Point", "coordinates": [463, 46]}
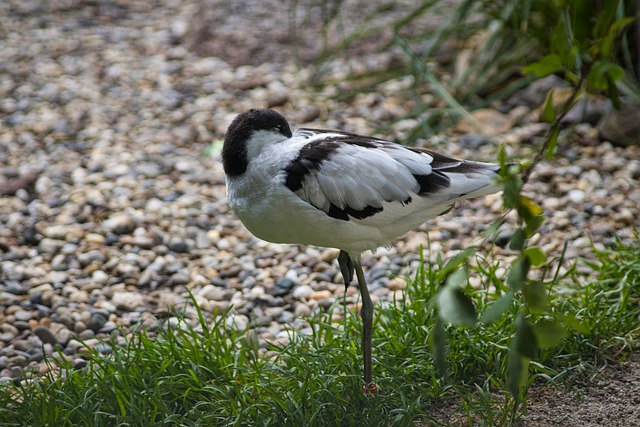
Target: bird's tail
{"type": "Point", "coordinates": [472, 179]}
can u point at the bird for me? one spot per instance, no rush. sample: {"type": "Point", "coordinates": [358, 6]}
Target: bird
{"type": "Point", "coordinates": [340, 190]}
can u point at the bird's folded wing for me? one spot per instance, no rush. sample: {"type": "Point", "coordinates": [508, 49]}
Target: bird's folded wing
{"type": "Point", "coordinates": [349, 175]}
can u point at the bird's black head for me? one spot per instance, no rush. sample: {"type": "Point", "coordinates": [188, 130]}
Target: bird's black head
{"type": "Point", "coordinates": [234, 150]}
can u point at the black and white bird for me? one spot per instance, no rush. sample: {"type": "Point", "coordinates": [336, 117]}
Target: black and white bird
{"type": "Point", "coordinates": [340, 190]}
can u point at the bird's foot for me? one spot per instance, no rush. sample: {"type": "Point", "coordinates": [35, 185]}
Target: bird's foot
{"type": "Point", "coordinates": [346, 268]}
{"type": "Point", "coordinates": [370, 388]}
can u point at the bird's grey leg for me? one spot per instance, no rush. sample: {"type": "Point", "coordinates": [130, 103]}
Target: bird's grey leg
{"type": "Point", "coordinates": [346, 268]}
{"type": "Point", "coordinates": [366, 312]}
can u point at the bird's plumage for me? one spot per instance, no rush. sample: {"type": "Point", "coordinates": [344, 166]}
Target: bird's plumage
{"type": "Point", "coordinates": [341, 190]}
{"type": "Point", "coordinates": [337, 189]}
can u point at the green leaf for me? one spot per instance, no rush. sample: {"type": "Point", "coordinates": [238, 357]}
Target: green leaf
{"type": "Point", "coordinates": [547, 65]}
{"type": "Point", "coordinates": [455, 262]}
{"type": "Point", "coordinates": [573, 323]}
{"type": "Point", "coordinates": [531, 213]}
{"type": "Point", "coordinates": [603, 71]}
{"type": "Point", "coordinates": [549, 333]}
{"type": "Point", "coordinates": [535, 295]}
{"type": "Point", "coordinates": [517, 372]}
{"type": "Point", "coordinates": [494, 226]}
{"type": "Point", "coordinates": [517, 240]}
{"type": "Point", "coordinates": [439, 340]}
{"type": "Point", "coordinates": [497, 308]}
{"type": "Point", "coordinates": [454, 306]}
{"type": "Point", "coordinates": [613, 93]}
{"type": "Point", "coordinates": [525, 339]}
{"type": "Point", "coordinates": [518, 273]}
{"type": "Point", "coordinates": [502, 159]}
{"type": "Point", "coordinates": [511, 191]}
{"type": "Point", "coordinates": [532, 207]}
{"type": "Point", "coordinates": [457, 279]}
{"type": "Point", "coordinates": [523, 348]}
{"type": "Point", "coordinates": [535, 255]}
{"type": "Point", "coordinates": [548, 113]}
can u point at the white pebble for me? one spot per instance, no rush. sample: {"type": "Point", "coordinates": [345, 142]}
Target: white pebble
{"type": "Point", "coordinates": [576, 196]}
{"type": "Point", "coordinates": [302, 292]}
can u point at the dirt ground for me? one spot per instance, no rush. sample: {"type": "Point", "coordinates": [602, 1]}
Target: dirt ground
{"type": "Point", "coordinates": [612, 399]}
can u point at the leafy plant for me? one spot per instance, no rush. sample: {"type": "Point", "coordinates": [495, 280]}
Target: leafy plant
{"type": "Point", "coordinates": [505, 45]}
{"type": "Point", "coordinates": [584, 44]}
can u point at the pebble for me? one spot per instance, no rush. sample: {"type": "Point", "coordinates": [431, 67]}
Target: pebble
{"type": "Point", "coordinates": [237, 321]}
{"type": "Point", "coordinates": [45, 334]}
{"type": "Point", "coordinates": [303, 292]}
{"type": "Point", "coordinates": [119, 224]}
{"type": "Point", "coordinates": [301, 310]}
{"type": "Point", "coordinates": [321, 295]}
{"type": "Point", "coordinates": [212, 292]}
{"type": "Point", "coordinates": [23, 315]}
{"type": "Point", "coordinates": [63, 336]}
{"type": "Point", "coordinates": [127, 301]}
{"type": "Point", "coordinates": [576, 196]}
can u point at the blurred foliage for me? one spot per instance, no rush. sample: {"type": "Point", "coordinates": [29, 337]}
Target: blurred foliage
{"type": "Point", "coordinates": [489, 50]}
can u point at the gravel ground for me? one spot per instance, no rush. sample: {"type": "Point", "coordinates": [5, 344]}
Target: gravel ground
{"type": "Point", "coordinates": [112, 201]}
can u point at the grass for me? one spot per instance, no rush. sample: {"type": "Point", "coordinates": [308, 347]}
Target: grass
{"type": "Point", "coordinates": [202, 372]}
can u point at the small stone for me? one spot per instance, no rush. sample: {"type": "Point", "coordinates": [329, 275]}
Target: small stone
{"type": "Point", "coordinates": [551, 203]}
{"type": "Point", "coordinates": [473, 141]}
{"type": "Point", "coordinates": [48, 245]}
{"type": "Point", "coordinates": [108, 327]}
{"type": "Point", "coordinates": [237, 321]}
{"type": "Point", "coordinates": [178, 245]}
{"type": "Point", "coordinates": [25, 326]}
{"type": "Point", "coordinates": [576, 196]}
{"type": "Point", "coordinates": [450, 226]}
{"type": "Point", "coordinates": [23, 315]}
{"type": "Point", "coordinates": [301, 310]}
{"type": "Point", "coordinates": [397, 284]}
{"type": "Point", "coordinates": [128, 301]}
{"type": "Point", "coordinates": [6, 336]}
{"type": "Point", "coordinates": [212, 292]}
{"type": "Point", "coordinates": [9, 328]}
{"type": "Point", "coordinates": [487, 122]}
{"type": "Point", "coordinates": [35, 355]}
{"type": "Point", "coordinates": [582, 242]}
{"type": "Point", "coordinates": [302, 292]}
{"type": "Point", "coordinates": [105, 305]}
{"type": "Point", "coordinates": [18, 360]}
{"type": "Point", "coordinates": [95, 238]}
{"type": "Point", "coordinates": [625, 216]}
{"type": "Point", "coordinates": [79, 363]}
{"type": "Point", "coordinates": [79, 326]}
{"type": "Point", "coordinates": [321, 295]}
{"type": "Point", "coordinates": [181, 277]}
{"type": "Point", "coordinates": [86, 334]}
{"type": "Point", "coordinates": [22, 344]}
{"type": "Point", "coordinates": [119, 224]}
{"type": "Point", "coordinates": [45, 334]}
{"type": "Point", "coordinates": [63, 336]}
{"type": "Point", "coordinates": [41, 289]}
{"type": "Point", "coordinates": [99, 277]}
{"type": "Point", "coordinates": [219, 306]}
{"type": "Point", "coordinates": [96, 322]}
{"type": "Point", "coordinates": [104, 348]}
